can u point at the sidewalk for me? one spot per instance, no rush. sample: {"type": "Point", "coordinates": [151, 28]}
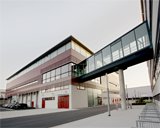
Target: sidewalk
{"type": "Point", "coordinates": [118, 119]}
{"type": "Point", "coordinates": [19, 113]}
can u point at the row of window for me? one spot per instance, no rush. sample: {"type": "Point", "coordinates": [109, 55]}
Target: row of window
{"type": "Point", "coordinates": [129, 43]}
{"type": "Point", "coordinates": [57, 73]}
{"type": "Point", "coordinates": [43, 60]}
{"type": "Point", "coordinates": [64, 48]}
{"type": "Point", "coordinates": [22, 86]}
{"type": "Point", "coordinates": [56, 89]}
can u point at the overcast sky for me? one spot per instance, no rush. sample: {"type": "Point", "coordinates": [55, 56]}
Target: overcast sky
{"type": "Point", "coordinates": [29, 28]}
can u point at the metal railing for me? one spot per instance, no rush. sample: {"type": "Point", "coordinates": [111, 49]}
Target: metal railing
{"type": "Point", "coordinates": [149, 117]}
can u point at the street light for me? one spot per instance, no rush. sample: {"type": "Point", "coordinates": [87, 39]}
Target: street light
{"type": "Point", "coordinates": [108, 97]}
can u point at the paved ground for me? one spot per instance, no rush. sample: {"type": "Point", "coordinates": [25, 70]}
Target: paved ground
{"type": "Point", "coordinates": [118, 119]}
{"type": "Point", "coordinates": [10, 113]}
{"type": "Point", "coordinates": [52, 119]}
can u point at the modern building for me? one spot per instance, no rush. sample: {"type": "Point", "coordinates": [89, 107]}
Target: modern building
{"type": "Point", "coordinates": [2, 96]}
{"type": "Point", "coordinates": [151, 13]}
{"type": "Point", "coordinates": [139, 93]}
{"type": "Point", "coordinates": [46, 82]}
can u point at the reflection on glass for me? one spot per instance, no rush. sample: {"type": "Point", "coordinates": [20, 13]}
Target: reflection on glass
{"type": "Point", "coordinates": [68, 46]}
{"type": "Point", "coordinates": [98, 60]}
{"type": "Point", "coordinates": [129, 43]}
{"type": "Point", "coordinates": [61, 50]}
{"type": "Point", "coordinates": [91, 64]}
{"type": "Point", "coordinates": [116, 50]}
{"type": "Point", "coordinates": [142, 36]}
{"type": "Point", "coordinates": [106, 52]}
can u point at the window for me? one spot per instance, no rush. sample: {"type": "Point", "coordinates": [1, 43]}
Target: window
{"type": "Point", "coordinates": [61, 50]}
{"type": "Point", "coordinates": [53, 75]}
{"type": "Point", "coordinates": [58, 73]}
{"type": "Point", "coordinates": [66, 87]}
{"type": "Point", "coordinates": [116, 50]}
{"type": "Point", "coordinates": [53, 54]}
{"type": "Point", "coordinates": [129, 43]}
{"type": "Point", "coordinates": [68, 46]}
{"type": "Point", "coordinates": [142, 36]}
{"type": "Point", "coordinates": [58, 88]}
{"type": "Point", "coordinates": [64, 68]}
{"type": "Point", "coordinates": [98, 60]}
{"type": "Point", "coordinates": [106, 52]}
{"type": "Point", "coordinates": [91, 64]}
{"type": "Point", "coordinates": [44, 78]}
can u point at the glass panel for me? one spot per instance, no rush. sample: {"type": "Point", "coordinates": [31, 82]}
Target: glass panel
{"type": "Point", "coordinates": [129, 43]}
{"type": "Point", "coordinates": [61, 50]}
{"type": "Point", "coordinates": [57, 88]}
{"type": "Point", "coordinates": [52, 78]}
{"type": "Point", "coordinates": [52, 73]}
{"type": "Point", "coordinates": [48, 75]}
{"type": "Point", "coordinates": [64, 75]}
{"type": "Point", "coordinates": [53, 54]}
{"type": "Point", "coordinates": [142, 36]}
{"type": "Point", "coordinates": [98, 60]}
{"type": "Point", "coordinates": [44, 76]}
{"type": "Point", "coordinates": [68, 46]}
{"type": "Point", "coordinates": [91, 65]}
{"type": "Point", "coordinates": [106, 52]}
{"type": "Point", "coordinates": [57, 71]}
{"type": "Point", "coordinates": [116, 50]}
{"type": "Point", "coordinates": [66, 87]}
{"type": "Point", "coordinates": [64, 68]}
{"type": "Point", "coordinates": [69, 66]}
{"type": "Point", "coordinates": [48, 80]}
{"type": "Point", "coordinates": [73, 45]}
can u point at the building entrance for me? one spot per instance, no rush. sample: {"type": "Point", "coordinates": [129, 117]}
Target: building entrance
{"type": "Point", "coordinates": [63, 101]}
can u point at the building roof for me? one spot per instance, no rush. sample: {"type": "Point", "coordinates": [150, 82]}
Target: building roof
{"type": "Point", "coordinates": [143, 91]}
{"type": "Point", "coordinates": [65, 41]}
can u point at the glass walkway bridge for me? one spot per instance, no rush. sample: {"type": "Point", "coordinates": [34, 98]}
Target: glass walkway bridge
{"type": "Point", "coordinates": [132, 48]}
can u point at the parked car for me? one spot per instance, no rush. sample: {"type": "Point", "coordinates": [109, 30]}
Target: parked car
{"type": "Point", "coordinates": [20, 106]}
{"type": "Point", "coordinates": [13, 105]}
{"type": "Point", "coordinates": [4, 105]}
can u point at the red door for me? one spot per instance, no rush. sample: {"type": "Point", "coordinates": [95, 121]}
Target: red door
{"type": "Point", "coordinates": [63, 101]}
{"type": "Point", "coordinates": [43, 103]}
{"type": "Point", "coordinates": [32, 104]}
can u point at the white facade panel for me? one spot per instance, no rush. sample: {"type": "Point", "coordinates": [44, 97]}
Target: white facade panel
{"type": "Point", "coordinates": [53, 104]}
{"type": "Point", "coordinates": [79, 98]}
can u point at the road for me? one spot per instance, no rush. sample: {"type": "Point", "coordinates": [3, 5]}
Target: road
{"type": "Point", "coordinates": [52, 119]}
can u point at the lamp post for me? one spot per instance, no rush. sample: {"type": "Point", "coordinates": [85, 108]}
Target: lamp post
{"type": "Point", "coordinates": [127, 96]}
{"type": "Point", "coordinates": [108, 97]}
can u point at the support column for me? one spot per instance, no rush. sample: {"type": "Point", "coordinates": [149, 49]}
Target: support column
{"type": "Point", "coordinates": [31, 100]}
{"type": "Point", "coordinates": [122, 90]}
{"type": "Point", "coordinates": [108, 97]}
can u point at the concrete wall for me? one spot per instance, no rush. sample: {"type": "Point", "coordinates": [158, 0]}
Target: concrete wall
{"type": "Point", "coordinates": [53, 103]}
{"type": "Point", "coordinates": [79, 98]}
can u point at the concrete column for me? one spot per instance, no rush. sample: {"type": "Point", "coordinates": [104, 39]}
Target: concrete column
{"type": "Point", "coordinates": [37, 99]}
{"type": "Point", "coordinates": [122, 90]}
{"type": "Point", "coordinates": [22, 97]}
{"type": "Point", "coordinates": [108, 96]}
{"type": "Point", "coordinates": [31, 99]}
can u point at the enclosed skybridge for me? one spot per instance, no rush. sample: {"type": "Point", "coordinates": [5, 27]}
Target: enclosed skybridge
{"type": "Point", "coordinates": [132, 48]}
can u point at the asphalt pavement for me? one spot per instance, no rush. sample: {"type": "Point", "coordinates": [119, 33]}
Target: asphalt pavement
{"type": "Point", "coordinates": [52, 119]}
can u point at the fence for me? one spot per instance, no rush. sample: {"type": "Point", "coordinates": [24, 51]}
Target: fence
{"type": "Point", "coordinates": [149, 117]}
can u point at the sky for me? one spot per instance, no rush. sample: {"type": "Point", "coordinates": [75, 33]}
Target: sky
{"type": "Point", "coordinates": [29, 28]}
